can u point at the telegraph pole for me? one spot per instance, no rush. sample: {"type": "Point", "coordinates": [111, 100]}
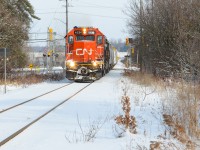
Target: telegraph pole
{"type": "Point", "coordinates": [66, 33]}
{"type": "Point", "coordinates": [66, 17]}
{"type": "Point", "coordinates": [66, 27]}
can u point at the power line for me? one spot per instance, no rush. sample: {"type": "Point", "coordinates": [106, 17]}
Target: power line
{"type": "Point", "coordinates": [37, 39]}
{"type": "Point", "coordinates": [85, 4]}
{"type": "Point", "coordinates": [100, 6]}
{"type": "Point", "coordinates": [38, 33]}
{"type": "Point", "coordinates": [48, 9]}
{"type": "Point", "coordinates": [46, 33]}
{"type": "Point", "coordinates": [97, 15]}
{"type": "Point", "coordinates": [83, 14]}
{"type": "Point", "coordinates": [41, 40]}
{"type": "Point", "coordinates": [97, 6]}
{"type": "Point", "coordinates": [60, 35]}
{"type": "Point", "coordinates": [41, 13]}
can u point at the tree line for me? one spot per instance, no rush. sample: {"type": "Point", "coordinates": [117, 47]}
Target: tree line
{"type": "Point", "coordinates": [166, 35]}
{"type": "Point", "coordinates": [15, 19]}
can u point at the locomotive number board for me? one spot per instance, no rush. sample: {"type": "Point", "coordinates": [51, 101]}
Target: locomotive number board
{"type": "Point", "coordinates": [78, 32]}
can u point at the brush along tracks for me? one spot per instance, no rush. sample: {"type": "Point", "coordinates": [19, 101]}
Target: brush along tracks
{"type": "Point", "coordinates": [74, 89]}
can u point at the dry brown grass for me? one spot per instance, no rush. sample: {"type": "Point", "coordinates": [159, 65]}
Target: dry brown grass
{"type": "Point", "coordinates": [180, 99]}
{"type": "Point", "coordinates": [155, 145]}
{"type": "Point", "coordinates": [140, 78]}
{"type": "Point", "coordinates": [188, 99]}
{"type": "Point", "coordinates": [148, 80]}
{"type": "Point", "coordinates": [31, 79]}
{"type": "Point", "coordinates": [127, 119]}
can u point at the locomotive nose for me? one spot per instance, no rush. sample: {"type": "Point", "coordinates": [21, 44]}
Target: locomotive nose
{"type": "Point", "coordinates": [84, 51]}
{"type": "Point", "coordinates": [83, 71]}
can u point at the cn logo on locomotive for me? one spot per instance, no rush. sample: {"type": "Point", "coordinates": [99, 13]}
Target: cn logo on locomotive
{"type": "Point", "coordinates": [80, 51]}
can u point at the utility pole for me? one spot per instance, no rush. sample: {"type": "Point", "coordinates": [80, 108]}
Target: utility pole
{"type": "Point", "coordinates": [66, 33]}
{"type": "Point", "coordinates": [66, 28]}
{"type": "Point", "coordinates": [66, 17]}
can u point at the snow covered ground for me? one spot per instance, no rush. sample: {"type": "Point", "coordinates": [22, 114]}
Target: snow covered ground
{"type": "Point", "coordinates": [87, 120]}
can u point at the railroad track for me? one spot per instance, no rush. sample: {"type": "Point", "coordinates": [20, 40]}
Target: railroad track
{"type": "Point", "coordinates": [24, 102]}
{"type": "Point", "coordinates": [12, 136]}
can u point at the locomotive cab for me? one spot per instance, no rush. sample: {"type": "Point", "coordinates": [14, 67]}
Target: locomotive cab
{"type": "Point", "coordinates": [87, 54]}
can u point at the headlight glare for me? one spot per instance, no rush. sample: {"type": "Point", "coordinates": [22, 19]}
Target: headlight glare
{"type": "Point", "coordinates": [94, 64]}
{"type": "Point", "coordinates": [72, 64]}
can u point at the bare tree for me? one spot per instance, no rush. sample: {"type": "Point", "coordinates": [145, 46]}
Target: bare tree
{"type": "Point", "coordinates": [167, 35]}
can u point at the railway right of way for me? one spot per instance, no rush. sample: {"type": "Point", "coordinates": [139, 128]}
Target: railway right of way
{"type": "Point", "coordinates": [20, 124]}
{"type": "Point", "coordinates": [29, 100]}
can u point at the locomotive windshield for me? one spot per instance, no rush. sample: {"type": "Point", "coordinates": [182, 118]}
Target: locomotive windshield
{"type": "Point", "coordinates": [99, 39]}
{"type": "Point", "coordinates": [87, 38]}
{"type": "Point", "coordinates": [70, 39]}
{"type": "Point", "coordinates": [79, 37]}
{"type": "Point", "coordinates": [90, 37]}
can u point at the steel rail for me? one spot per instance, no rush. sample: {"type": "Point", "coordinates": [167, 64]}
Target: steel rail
{"type": "Point", "coordinates": [3, 142]}
{"type": "Point", "coordinates": [19, 104]}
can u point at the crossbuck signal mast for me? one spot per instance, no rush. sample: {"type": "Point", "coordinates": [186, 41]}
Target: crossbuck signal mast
{"type": "Point", "coordinates": [50, 57]}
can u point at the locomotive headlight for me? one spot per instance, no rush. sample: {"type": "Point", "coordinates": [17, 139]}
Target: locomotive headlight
{"type": "Point", "coordinates": [84, 31]}
{"type": "Point", "coordinates": [94, 64]}
{"type": "Point", "coordinates": [72, 64]}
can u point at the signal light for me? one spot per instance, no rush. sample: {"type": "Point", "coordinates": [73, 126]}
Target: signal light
{"type": "Point", "coordinates": [132, 50]}
{"type": "Point", "coordinates": [50, 34]}
{"type": "Point", "coordinates": [127, 41]}
{"type": "Point", "coordinates": [31, 66]}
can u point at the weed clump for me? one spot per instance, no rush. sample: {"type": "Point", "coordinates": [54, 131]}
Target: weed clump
{"type": "Point", "coordinates": [127, 120]}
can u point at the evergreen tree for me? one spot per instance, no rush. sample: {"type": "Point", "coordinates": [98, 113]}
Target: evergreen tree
{"type": "Point", "coordinates": [15, 19]}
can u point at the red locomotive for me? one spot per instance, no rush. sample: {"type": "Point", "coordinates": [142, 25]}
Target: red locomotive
{"type": "Point", "coordinates": [89, 55]}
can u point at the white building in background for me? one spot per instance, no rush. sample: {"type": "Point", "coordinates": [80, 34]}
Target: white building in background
{"type": "Point", "coordinates": [38, 59]}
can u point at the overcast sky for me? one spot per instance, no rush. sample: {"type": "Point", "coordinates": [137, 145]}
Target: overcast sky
{"type": "Point", "coordinates": [106, 15]}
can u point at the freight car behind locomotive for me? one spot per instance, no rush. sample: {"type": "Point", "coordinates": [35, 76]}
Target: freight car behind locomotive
{"type": "Point", "coordinates": [89, 55]}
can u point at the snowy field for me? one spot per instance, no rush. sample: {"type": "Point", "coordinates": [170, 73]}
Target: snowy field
{"type": "Point", "coordinates": [87, 121]}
